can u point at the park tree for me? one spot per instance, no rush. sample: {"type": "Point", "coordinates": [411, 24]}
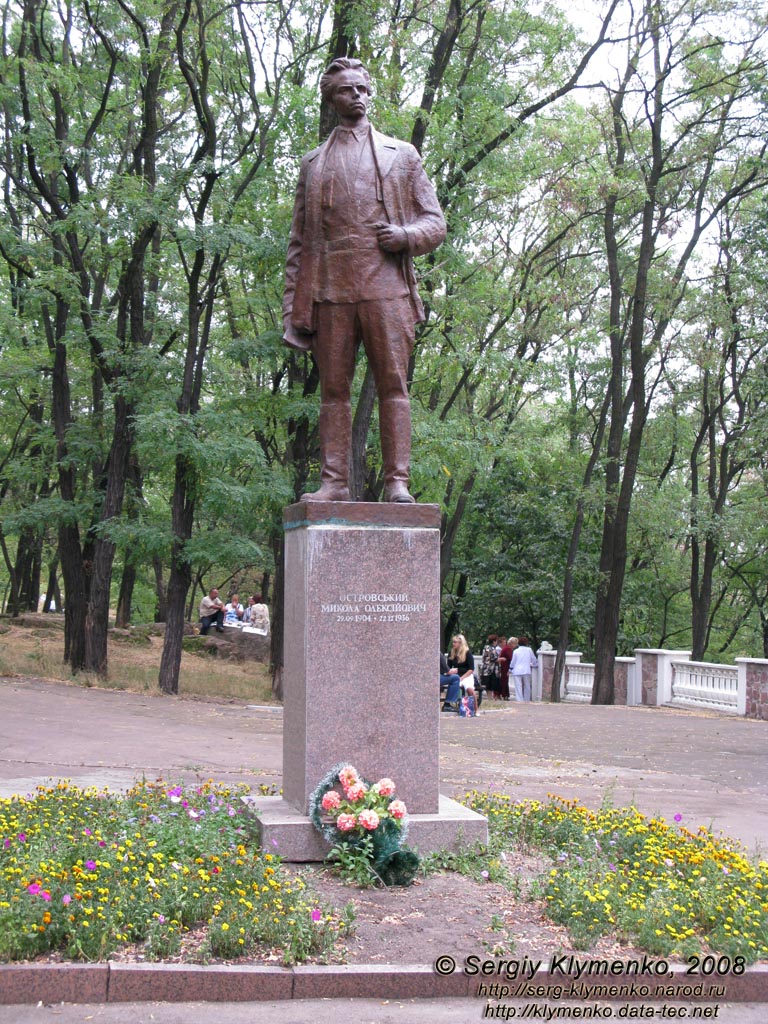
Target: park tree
{"type": "Point", "coordinates": [684, 141]}
{"type": "Point", "coordinates": [79, 117]}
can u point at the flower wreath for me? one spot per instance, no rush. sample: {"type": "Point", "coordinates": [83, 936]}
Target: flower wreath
{"type": "Point", "coordinates": [366, 810]}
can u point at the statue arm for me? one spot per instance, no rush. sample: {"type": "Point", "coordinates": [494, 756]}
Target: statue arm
{"type": "Point", "coordinates": [291, 336]}
{"type": "Point", "coordinates": [425, 226]}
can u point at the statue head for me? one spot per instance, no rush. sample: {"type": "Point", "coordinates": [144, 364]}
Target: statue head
{"type": "Point", "coordinates": [329, 77]}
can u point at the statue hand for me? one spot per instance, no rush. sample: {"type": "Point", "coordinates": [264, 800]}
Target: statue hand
{"type": "Point", "coordinates": [391, 237]}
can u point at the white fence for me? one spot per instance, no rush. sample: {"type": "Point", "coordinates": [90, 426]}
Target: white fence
{"type": "Point", "coordinates": [696, 684]}
{"type": "Point", "coordinates": [579, 680]}
{"type": "Point", "coordinates": [659, 677]}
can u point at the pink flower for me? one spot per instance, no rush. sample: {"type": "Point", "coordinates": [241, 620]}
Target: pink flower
{"type": "Point", "coordinates": [91, 865]}
{"type": "Point", "coordinates": [397, 809]}
{"type": "Point", "coordinates": [356, 791]}
{"type": "Point", "coordinates": [346, 822]}
{"type": "Point", "coordinates": [66, 899]}
{"type": "Point", "coordinates": [385, 786]}
{"type": "Point", "coordinates": [33, 888]}
{"type": "Point", "coordinates": [368, 819]}
{"type": "Point", "coordinates": [330, 801]}
{"type": "Point", "coordinates": [317, 915]}
{"type": "Point", "coordinates": [348, 775]}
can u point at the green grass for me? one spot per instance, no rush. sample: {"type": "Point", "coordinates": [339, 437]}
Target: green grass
{"type": "Point", "coordinates": [669, 891]}
{"type": "Point", "coordinates": [86, 872]}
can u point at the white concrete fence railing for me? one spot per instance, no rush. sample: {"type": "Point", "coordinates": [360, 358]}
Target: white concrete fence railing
{"type": "Point", "coordinates": [666, 678]}
{"type": "Point", "coordinates": [696, 684]}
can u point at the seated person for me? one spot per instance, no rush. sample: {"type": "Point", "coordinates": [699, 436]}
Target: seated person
{"type": "Point", "coordinates": [234, 611]}
{"type": "Point", "coordinates": [211, 611]}
{"type": "Point", "coordinates": [461, 658]}
{"type": "Point", "coordinates": [450, 682]}
{"type": "Point", "coordinates": [257, 613]}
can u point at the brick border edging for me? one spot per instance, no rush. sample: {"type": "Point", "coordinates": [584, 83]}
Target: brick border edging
{"type": "Point", "coordinates": [115, 983]}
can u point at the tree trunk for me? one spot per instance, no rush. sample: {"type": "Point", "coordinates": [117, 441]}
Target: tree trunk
{"type": "Point", "coordinates": [97, 617]}
{"type": "Point", "coordinates": [53, 593]}
{"type": "Point", "coordinates": [125, 598]}
{"type": "Point", "coordinates": [170, 662]}
{"type": "Point", "coordinates": [26, 575]}
{"type": "Point", "coordinates": [573, 550]}
{"type": "Point", "coordinates": [161, 594]}
{"type": "Point", "coordinates": [76, 591]}
{"type": "Point", "coordinates": [182, 514]}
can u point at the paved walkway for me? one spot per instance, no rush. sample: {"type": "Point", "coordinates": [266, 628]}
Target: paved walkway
{"type": "Point", "coordinates": [711, 769]}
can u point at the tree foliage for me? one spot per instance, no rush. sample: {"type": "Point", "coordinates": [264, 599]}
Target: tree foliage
{"type": "Point", "coordinates": [587, 389]}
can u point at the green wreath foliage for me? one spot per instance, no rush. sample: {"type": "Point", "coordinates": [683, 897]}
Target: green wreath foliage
{"type": "Point", "coordinates": [390, 860]}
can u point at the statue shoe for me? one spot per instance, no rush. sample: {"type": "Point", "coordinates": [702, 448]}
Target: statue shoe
{"type": "Point", "coordinates": [397, 491]}
{"type": "Point", "coordinates": [327, 492]}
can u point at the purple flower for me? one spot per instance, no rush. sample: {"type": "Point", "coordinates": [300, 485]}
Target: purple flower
{"type": "Point", "coordinates": [7, 843]}
{"type": "Point", "coordinates": [484, 874]}
{"type": "Point", "coordinates": [317, 915]}
{"type": "Point", "coordinates": [33, 888]}
{"type": "Point", "coordinates": [91, 865]}
{"type": "Point", "coordinates": [678, 817]}
{"type": "Point", "coordinates": [22, 837]}
{"type": "Point", "coordinates": [66, 899]}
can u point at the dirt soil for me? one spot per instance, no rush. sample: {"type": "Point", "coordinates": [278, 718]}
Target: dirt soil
{"type": "Point", "coordinates": [448, 913]}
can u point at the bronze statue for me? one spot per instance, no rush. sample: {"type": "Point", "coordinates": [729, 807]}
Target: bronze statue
{"type": "Point", "coordinates": [364, 207]}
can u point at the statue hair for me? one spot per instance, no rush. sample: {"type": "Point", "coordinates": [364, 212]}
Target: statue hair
{"type": "Point", "coordinates": [327, 82]}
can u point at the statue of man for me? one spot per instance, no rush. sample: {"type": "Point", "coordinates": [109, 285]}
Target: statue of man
{"type": "Point", "coordinates": [364, 207]}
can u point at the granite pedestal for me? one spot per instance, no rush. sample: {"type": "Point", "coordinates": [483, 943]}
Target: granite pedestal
{"type": "Point", "coordinates": [362, 636]}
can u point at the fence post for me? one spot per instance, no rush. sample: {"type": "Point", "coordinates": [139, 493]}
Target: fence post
{"type": "Point", "coordinates": [623, 682]}
{"type": "Point", "coordinates": [654, 669]}
{"type": "Point", "coordinates": [753, 687]}
{"type": "Point", "coordinates": [546, 660]}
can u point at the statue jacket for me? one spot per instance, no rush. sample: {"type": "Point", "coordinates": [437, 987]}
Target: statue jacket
{"type": "Point", "coordinates": [409, 201]}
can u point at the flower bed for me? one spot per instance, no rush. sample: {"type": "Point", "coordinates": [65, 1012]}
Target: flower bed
{"type": "Point", "coordinates": [669, 890]}
{"type": "Point", "coordinates": [86, 872]}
